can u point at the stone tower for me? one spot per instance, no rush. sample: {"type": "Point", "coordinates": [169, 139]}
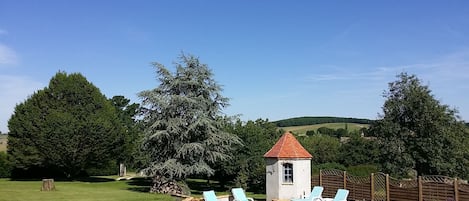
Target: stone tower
{"type": "Point", "coordinates": [288, 169]}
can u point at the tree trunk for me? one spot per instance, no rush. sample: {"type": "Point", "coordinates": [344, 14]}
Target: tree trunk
{"type": "Point", "coordinates": [48, 185]}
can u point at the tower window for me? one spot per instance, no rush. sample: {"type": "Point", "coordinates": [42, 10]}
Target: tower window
{"type": "Point", "coordinates": [288, 173]}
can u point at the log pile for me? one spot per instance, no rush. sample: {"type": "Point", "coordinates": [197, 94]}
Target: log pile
{"type": "Point", "coordinates": [163, 185]}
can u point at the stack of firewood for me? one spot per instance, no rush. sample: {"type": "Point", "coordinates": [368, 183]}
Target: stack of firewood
{"type": "Point", "coordinates": [163, 185]}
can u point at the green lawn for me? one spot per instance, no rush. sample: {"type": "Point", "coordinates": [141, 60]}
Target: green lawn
{"type": "Point", "coordinates": [301, 130]}
{"type": "Point", "coordinates": [96, 189]}
{"type": "Point", "coordinates": [102, 189]}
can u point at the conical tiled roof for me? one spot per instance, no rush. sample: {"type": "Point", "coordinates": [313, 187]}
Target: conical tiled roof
{"type": "Point", "coordinates": [287, 147]}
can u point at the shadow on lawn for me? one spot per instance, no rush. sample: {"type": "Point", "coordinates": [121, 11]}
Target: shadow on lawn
{"type": "Point", "coordinates": [198, 186]}
{"type": "Point", "coordinates": [140, 185]}
{"type": "Point", "coordinates": [93, 179]}
{"type": "Point", "coordinates": [81, 179]}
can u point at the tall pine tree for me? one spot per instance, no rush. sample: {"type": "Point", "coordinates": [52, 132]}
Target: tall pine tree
{"type": "Point", "coordinates": [184, 132]}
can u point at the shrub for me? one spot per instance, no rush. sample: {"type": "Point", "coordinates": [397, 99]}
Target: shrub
{"type": "Point", "coordinates": [110, 168]}
{"type": "Point", "coordinates": [362, 170]}
{"type": "Point", "coordinates": [5, 166]}
{"type": "Point", "coordinates": [326, 166]}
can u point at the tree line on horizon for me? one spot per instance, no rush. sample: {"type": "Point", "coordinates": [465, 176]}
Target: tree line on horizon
{"type": "Point", "coordinates": [303, 121]}
{"type": "Point", "coordinates": [70, 129]}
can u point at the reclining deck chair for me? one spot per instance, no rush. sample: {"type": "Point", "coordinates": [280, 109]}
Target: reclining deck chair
{"type": "Point", "coordinates": [239, 195]}
{"type": "Point", "coordinates": [341, 195]}
{"type": "Point", "coordinates": [210, 196]}
{"type": "Point", "coordinates": [316, 194]}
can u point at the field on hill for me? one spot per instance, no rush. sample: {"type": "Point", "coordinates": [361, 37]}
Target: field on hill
{"type": "Point", "coordinates": [301, 130]}
{"type": "Point", "coordinates": [3, 143]}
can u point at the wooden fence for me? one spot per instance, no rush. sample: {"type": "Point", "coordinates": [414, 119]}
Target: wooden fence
{"type": "Point", "coordinates": [382, 187]}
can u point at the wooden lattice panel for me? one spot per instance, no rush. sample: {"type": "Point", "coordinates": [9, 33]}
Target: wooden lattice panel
{"type": "Point", "coordinates": [397, 193]}
{"type": "Point", "coordinates": [331, 184]}
{"type": "Point", "coordinates": [437, 191]}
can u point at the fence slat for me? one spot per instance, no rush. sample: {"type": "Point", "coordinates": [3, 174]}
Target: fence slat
{"type": "Point", "coordinates": [372, 186]}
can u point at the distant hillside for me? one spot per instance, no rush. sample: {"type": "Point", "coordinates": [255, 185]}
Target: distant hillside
{"type": "Point", "coordinates": [3, 142]}
{"type": "Point", "coordinates": [301, 130]}
{"type": "Point", "coordinates": [303, 121]}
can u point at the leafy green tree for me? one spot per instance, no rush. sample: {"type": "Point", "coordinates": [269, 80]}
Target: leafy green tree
{"type": "Point", "coordinates": [315, 169]}
{"type": "Point", "coordinates": [417, 132]}
{"type": "Point", "coordinates": [64, 129]}
{"type": "Point", "coordinates": [324, 148]}
{"type": "Point", "coordinates": [326, 131]}
{"type": "Point", "coordinates": [248, 167]}
{"type": "Point", "coordinates": [310, 132]}
{"type": "Point", "coordinates": [127, 112]}
{"type": "Point", "coordinates": [359, 151]}
{"type": "Point", "coordinates": [341, 132]}
{"type": "Point", "coordinates": [5, 167]}
{"type": "Point", "coordinates": [184, 129]}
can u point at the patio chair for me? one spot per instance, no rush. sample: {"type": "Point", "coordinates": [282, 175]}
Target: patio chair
{"type": "Point", "coordinates": [210, 196]}
{"type": "Point", "coordinates": [239, 195]}
{"type": "Point", "coordinates": [315, 194]}
{"type": "Point", "coordinates": [341, 195]}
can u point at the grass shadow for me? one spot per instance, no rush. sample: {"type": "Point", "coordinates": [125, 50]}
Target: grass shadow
{"type": "Point", "coordinates": [197, 186]}
{"type": "Point", "coordinates": [139, 185]}
{"type": "Point", "coordinates": [93, 179]}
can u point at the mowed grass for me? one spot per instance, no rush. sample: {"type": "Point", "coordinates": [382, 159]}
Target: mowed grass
{"type": "Point", "coordinates": [301, 130]}
{"type": "Point", "coordinates": [101, 190]}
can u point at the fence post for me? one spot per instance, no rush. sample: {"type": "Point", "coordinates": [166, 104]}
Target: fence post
{"type": "Point", "coordinates": [372, 186]}
{"type": "Point", "coordinates": [456, 189]}
{"type": "Point", "coordinates": [420, 188]}
{"type": "Point", "coordinates": [320, 177]}
{"type": "Point", "coordinates": [345, 179]}
{"type": "Point", "coordinates": [388, 196]}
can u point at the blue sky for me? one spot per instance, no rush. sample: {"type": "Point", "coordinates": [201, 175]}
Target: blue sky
{"type": "Point", "coordinates": [275, 59]}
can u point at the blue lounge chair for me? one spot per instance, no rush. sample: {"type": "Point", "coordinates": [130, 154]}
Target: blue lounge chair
{"type": "Point", "coordinates": [239, 195]}
{"type": "Point", "coordinates": [210, 196]}
{"type": "Point", "coordinates": [341, 195]}
{"type": "Point", "coordinates": [316, 194]}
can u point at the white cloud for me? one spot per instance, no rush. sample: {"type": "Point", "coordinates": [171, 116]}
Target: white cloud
{"type": "Point", "coordinates": [14, 90]}
{"type": "Point", "coordinates": [7, 55]}
{"type": "Point", "coordinates": [450, 67]}
{"type": "Point", "coordinates": [447, 76]}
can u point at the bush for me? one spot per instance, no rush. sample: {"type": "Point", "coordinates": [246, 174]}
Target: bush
{"type": "Point", "coordinates": [5, 167]}
{"type": "Point", "coordinates": [362, 170]}
{"type": "Point", "coordinates": [110, 168]}
{"type": "Point", "coordinates": [326, 166]}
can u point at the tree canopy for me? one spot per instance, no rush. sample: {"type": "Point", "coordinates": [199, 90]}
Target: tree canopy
{"type": "Point", "coordinates": [132, 131]}
{"type": "Point", "coordinates": [64, 128]}
{"type": "Point", "coordinates": [417, 132]}
{"type": "Point", "coordinates": [301, 121]}
{"type": "Point", "coordinates": [184, 128]}
{"type": "Point", "coordinates": [247, 168]}
{"type": "Point", "coordinates": [324, 148]}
